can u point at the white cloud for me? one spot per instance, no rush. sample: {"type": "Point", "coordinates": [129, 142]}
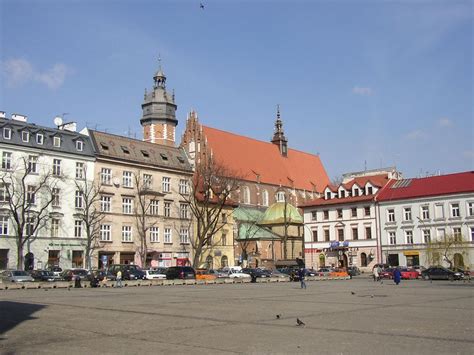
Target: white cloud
{"type": "Point", "coordinates": [415, 135]}
{"type": "Point", "coordinates": [363, 91]}
{"type": "Point", "coordinates": [445, 122]}
{"type": "Point", "coordinates": [19, 71]}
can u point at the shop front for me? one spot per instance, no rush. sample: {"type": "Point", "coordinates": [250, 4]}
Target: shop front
{"type": "Point", "coordinates": [412, 257]}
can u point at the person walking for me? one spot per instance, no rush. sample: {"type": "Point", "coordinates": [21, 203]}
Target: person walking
{"type": "Point", "coordinates": [397, 276]}
{"type": "Point", "coordinates": [375, 273]}
{"type": "Point", "coordinates": [301, 277]}
{"type": "Point", "coordinates": [118, 279]}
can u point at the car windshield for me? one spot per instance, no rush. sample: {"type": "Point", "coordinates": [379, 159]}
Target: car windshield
{"type": "Point", "coordinates": [153, 272]}
{"type": "Point", "coordinates": [80, 272]}
{"type": "Point", "coordinates": [19, 273]}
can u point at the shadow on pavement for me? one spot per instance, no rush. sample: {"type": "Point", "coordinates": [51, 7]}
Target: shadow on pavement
{"type": "Point", "coordinates": [14, 313]}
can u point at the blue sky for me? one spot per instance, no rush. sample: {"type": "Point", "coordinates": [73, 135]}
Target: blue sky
{"type": "Point", "coordinates": [362, 83]}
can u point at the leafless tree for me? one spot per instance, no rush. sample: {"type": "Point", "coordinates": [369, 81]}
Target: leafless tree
{"type": "Point", "coordinates": [27, 196]}
{"type": "Point", "coordinates": [212, 187]}
{"type": "Point", "coordinates": [445, 248]}
{"type": "Point", "coordinates": [90, 214]}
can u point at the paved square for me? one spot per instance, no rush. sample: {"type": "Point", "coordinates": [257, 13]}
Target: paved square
{"type": "Point", "coordinates": [417, 317]}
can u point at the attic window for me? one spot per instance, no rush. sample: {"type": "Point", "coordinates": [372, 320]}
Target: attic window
{"type": "Point", "coordinates": [163, 156]}
{"type": "Point", "coordinates": [104, 146]}
{"type": "Point", "coordinates": [145, 154]}
{"type": "Point", "coordinates": [181, 160]}
{"type": "Point", "coordinates": [125, 149]}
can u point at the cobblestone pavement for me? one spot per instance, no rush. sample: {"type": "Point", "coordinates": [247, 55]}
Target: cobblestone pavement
{"type": "Point", "coordinates": [342, 317]}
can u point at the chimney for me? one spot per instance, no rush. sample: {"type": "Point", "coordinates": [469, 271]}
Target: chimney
{"type": "Point", "coordinates": [71, 126]}
{"type": "Point", "coordinates": [17, 117]}
{"type": "Point", "coordinates": [2, 114]}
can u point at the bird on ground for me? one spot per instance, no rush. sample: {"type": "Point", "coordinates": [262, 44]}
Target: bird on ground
{"type": "Point", "coordinates": [299, 322]}
{"type": "Point", "coordinates": [201, 5]}
{"type": "Point", "coordinates": [278, 316]}
{"type": "Point", "coordinates": [353, 293]}
{"type": "Point", "coordinates": [371, 296]}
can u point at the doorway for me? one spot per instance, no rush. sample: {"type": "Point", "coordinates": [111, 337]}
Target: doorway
{"type": "Point", "coordinates": [4, 259]}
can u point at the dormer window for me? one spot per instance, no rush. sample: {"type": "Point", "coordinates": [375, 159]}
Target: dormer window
{"type": "Point", "coordinates": [125, 149]}
{"type": "Point", "coordinates": [280, 196]}
{"type": "Point", "coordinates": [39, 138]}
{"type": "Point", "coordinates": [328, 195]}
{"type": "Point", "coordinates": [145, 154]}
{"type": "Point", "coordinates": [79, 146]}
{"type": "Point", "coordinates": [25, 136]}
{"type": "Point", "coordinates": [370, 190]}
{"type": "Point", "coordinates": [342, 194]}
{"type": "Point", "coordinates": [7, 133]}
{"type": "Point", "coordinates": [356, 192]}
{"type": "Point", "coordinates": [104, 146]}
{"type": "Point", "coordinates": [57, 142]}
{"type": "Point", "coordinates": [163, 156]}
{"type": "Point", "coordinates": [181, 160]}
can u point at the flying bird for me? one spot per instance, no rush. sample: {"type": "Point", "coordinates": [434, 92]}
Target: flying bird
{"type": "Point", "coordinates": [201, 5]}
{"type": "Point", "coordinates": [278, 316]}
{"type": "Point", "coordinates": [299, 322]}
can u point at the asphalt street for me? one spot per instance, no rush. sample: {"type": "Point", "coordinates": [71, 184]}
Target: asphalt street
{"type": "Point", "coordinates": [341, 317]}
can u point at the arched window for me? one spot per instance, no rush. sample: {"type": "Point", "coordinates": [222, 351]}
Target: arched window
{"type": "Point", "coordinates": [280, 196]}
{"type": "Point", "coordinates": [265, 198]}
{"type": "Point", "coordinates": [363, 259]}
{"type": "Point", "coordinates": [210, 264]}
{"type": "Point", "coordinates": [246, 195]}
{"type": "Point", "coordinates": [322, 260]}
{"type": "Point", "coordinates": [224, 261]}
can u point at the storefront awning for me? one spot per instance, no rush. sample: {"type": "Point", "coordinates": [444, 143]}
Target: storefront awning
{"type": "Point", "coordinates": [411, 253]}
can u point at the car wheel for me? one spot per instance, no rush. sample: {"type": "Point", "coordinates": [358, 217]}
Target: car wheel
{"type": "Point", "coordinates": [426, 277]}
{"type": "Point", "coordinates": [451, 277]}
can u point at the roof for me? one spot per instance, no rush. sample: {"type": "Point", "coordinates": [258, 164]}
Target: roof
{"type": "Point", "coordinates": [252, 157]}
{"type": "Point", "coordinates": [429, 186]}
{"type": "Point", "coordinates": [246, 214]}
{"type": "Point", "coordinates": [275, 215]}
{"type": "Point", "coordinates": [137, 151]}
{"type": "Point", "coordinates": [375, 180]}
{"type": "Point", "coordinates": [251, 231]}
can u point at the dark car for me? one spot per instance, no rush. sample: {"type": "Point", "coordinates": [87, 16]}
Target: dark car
{"type": "Point", "coordinates": [441, 273]}
{"type": "Point", "coordinates": [256, 272]}
{"type": "Point", "coordinates": [43, 275]}
{"type": "Point", "coordinates": [71, 274]}
{"type": "Point", "coordinates": [56, 270]}
{"type": "Point", "coordinates": [292, 272]}
{"type": "Point", "coordinates": [129, 272]}
{"type": "Point", "coordinates": [353, 271]}
{"type": "Point", "coordinates": [180, 272]}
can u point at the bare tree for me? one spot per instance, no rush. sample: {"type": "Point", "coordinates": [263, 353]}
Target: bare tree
{"type": "Point", "coordinates": [445, 248]}
{"type": "Point", "coordinates": [27, 195]}
{"type": "Point", "coordinates": [211, 189]}
{"type": "Point", "coordinates": [91, 214]}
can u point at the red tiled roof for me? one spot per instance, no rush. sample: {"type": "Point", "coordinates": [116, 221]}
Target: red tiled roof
{"type": "Point", "coordinates": [250, 157]}
{"type": "Point", "coordinates": [430, 186]}
{"type": "Point", "coordinates": [376, 180]}
{"type": "Point", "coordinates": [336, 201]}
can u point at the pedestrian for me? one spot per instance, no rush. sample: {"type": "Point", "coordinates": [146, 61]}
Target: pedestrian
{"type": "Point", "coordinates": [397, 275]}
{"type": "Point", "coordinates": [118, 279]}
{"type": "Point", "coordinates": [375, 273]}
{"type": "Point", "coordinates": [301, 277]}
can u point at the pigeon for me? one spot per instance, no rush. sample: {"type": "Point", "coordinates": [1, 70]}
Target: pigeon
{"type": "Point", "coordinates": [299, 322]}
{"type": "Point", "coordinates": [371, 296]}
{"type": "Point", "coordinates": [353, 293]}
{"type": "Point", "coordinates": [278, 316]}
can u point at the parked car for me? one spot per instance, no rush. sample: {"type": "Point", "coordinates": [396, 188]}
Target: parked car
{"type": "Point", "coordinates": [353, 271]}
{"type": "Point", "coordinates": [310, 272]}
{"type": "Point", "coordinates": [218, 273]}
{"type": "Point", "coordinates": [292, 273]}
{"type": "Point", "coordinates": [154, 274]}
{"type": "Point", "coordinates": [387, 273]}
{"type": "Point", "coordinates": [71, 274]}
{"type": "Point", "coordinates": [204, 274]}
{"type": "Point", "coordinates": [180, 272]}
{"type": "Point", "coordinates": [276, 273]}
{"type": "Point", "coordinates": [57, 271]}
{"type": "Point", "coordinates": [324, 271]}
{"type": "Point", "coordinates": [418, 268]}
{"type": "Point", "coordinates": [441, 273]}
{"type": "Point", "coordinates": [129, 271]}
{"type": "Point", "coordinates": [43, 275]}
{"type": "Point", "coordinates": [100, 275]}
{"type": "Point", "coordinates": [256, 272]}
{"type": "Point", "coordinates": [409, 274]}
{"type": "Point", "coordinates": [15, 276]}
{"type": "Point", "coordinates": [236, 274]}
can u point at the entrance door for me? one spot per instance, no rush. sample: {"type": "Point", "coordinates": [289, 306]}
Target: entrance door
{"type": "Point", "coordinates": [53, 258]}
{"type": "Point", "coordinates": [127, 258]}
{"type": "Point", "coordinates": [77, 258]}
{"type": "Point", "coordinates": [4, 259]}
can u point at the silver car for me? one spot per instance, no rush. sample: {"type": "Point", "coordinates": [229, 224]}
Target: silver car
{"type": "Point", "coordinates": [16, 276]}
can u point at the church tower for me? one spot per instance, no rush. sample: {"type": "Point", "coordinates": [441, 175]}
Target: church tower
{"type": "Point", "coordinates": [159, 113]}
{"type": "Point", "coordinates": [279, 138]}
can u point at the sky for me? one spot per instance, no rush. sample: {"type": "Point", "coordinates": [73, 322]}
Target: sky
{"type": "Point", "coordinates": [364, 84]}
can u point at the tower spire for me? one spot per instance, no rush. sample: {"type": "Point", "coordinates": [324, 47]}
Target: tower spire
{"type": "Point", "coordinates": [279, 138]}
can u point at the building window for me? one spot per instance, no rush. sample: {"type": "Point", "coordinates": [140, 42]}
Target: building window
{"type": "Point", "coordinates": [392, 238]}
{"type": "Point", "coordinates": [57, 167]}
{"type": "Point", "coordinates": [79, 200]}
{"type": "Point", "coordinates": [368, 232]}
{"type": "Point", "coordinates": [78, 229]}
{"type": "Point", "coordinates": [224, 239]}
{"type": "Point", "coordinates": [39, 138]}
{"type": "Point", "coordinates": [183, 211]}
{"type": "Point", "coordinates": [166, 184]}
{"type": "Point", "coordinates": [455, 210]}
{"type": "Point", "coordinates": [427, 236]}
{"type": "Point", "coordinates": [314, 215]}
{"type": "Point", "coordinates": [315, 235]}
{"type": "Point", "coordinates": [30, 226]}
{"type": "Point", "coordinates": [31, 194]}
{"type": "Point", "coordinates": [439, 211]}
{"type": "Point", "coordinates": [356, 192]}
{"type": "Point", "coordinates": [105, 176]}
{"type": "Point", "coordinates": [167, 209]}
{"type": "Point", "coordinates": [32, 164]}
{"type": "Point", "coordinates": [425, 212]}
{"type": "Point", "coordinates": [342, 194]}
{"type": "Point", "coordinates": [280, 196]}
{"type": "Point", "coordinates": [391, 215]}
{"type": "Point", "coordinates": [409, 237]}
{"type": "Point", "coordinates": [354, 212]}
{"type": "Point", "coordinates": [79, 146]}
{"type": "Point", "coordinates": [55, 228]}
{"type": "Point", "coordinates": [470, 208]}
{"type": "Point", "coordinates": [183, 187]}
{"type": "Point", "coordinates": [457, 234]}
{"type": "Point", "coordinates": [440, 233]}
{"type": "Point", "coordinates": [147, 181]}
{"type": "Point", "coordinates": [224, 217]}
{"type": "Point", "coordinates": [367, 211]}
{"type": "Point", "coordinates": [184, 236]}
{"type": "Point", "coordinates": [407, 214]}
{"type": "Point", "coordinates": [370, 190]}
{"type": "Point", "coordinates": [154, 234]}
{"type": "Point", "coordinates": [154, 207]}
{"type": "Point", "coordinates": [105, 203]}
{"type": "Point", "coordinates": [472, 234]}
{"type": "Point", "coordinates": [25, 136]}
{"type": "Point", "coordinates": [355, 234]}
{"type": "Point", "coordinates": [57, 142]}
{"type": "Point", "coordinates": [79, 170]}
{"type": "Point", "coordinates": [340, 234]}
{"type": "Point", "coordinates": [326, 235]}
{"type": "Point", "coordinates": [7, 133]}
{"type": "Point", "coordinates": [6, 160]}
{"type": "Point", "coordinates": [3, 225]}
{"type": "Point", "coordinates": [56, 198]}
{"type": "Point", "coordinates": [167, 236]}
{"type": "Point", "coordinates": [326, 214]}
{"type": "Point", "coordinates": [246, 192]}
{"type": "Point", "coordinates": [339, 213]}
{"type": "Point", "coordinates": [4, 195]}
{"type": "Point", "coordinates": [105, 233]}
{"type": "Point", "coordinates": [265, 198]}
{"type": "Point", "coordinates": [127, 179]}
{"type": "Point", "coordinates": [328, 195]}
{"type": "Point", "coordinates": [127, 205]}
{"type": "Point", "coordinates": [127, 234]}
